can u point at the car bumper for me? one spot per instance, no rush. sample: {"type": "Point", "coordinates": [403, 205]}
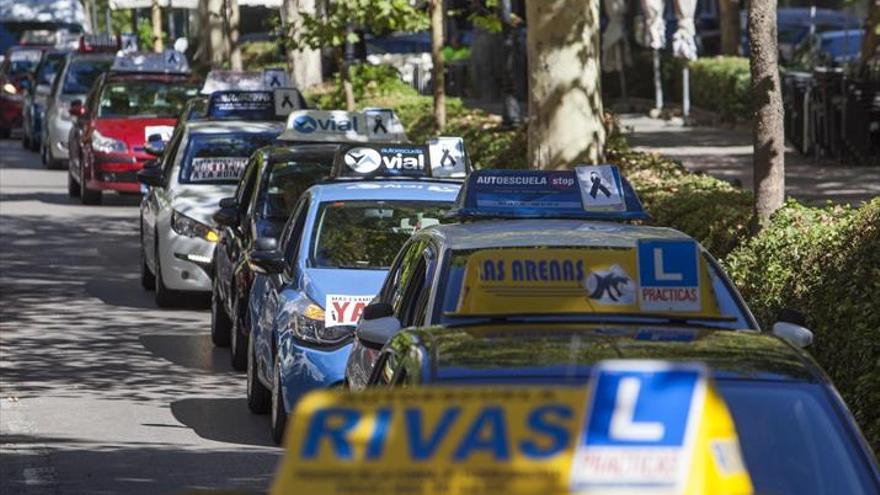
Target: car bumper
{"type": "Point", "coordinates": [309, 369]}
{"type": "Point", "coordinates": [58, 131]}
{"type": "Point", "coordinates": [10, 113]}
{"type": "Point", "coordinates": [115, 172]}
{"type": "Point", "coordinates": [187, 262]}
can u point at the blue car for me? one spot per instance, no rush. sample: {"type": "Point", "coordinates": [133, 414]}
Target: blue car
{"type": "Point", "coordinates": [328, 264]}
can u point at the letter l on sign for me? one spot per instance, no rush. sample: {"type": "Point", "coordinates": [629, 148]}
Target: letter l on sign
{"type": "Point", "coordinates": [623, 426]}
{"type": "Point", "coordinates": [659, 274]}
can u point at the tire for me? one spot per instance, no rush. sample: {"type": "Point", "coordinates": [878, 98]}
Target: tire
{"type": "Point", "coordinates": [238, 339]}
{"type": "Point", "coordinates": [26, 141]}
{"type": "Point", "coordinates": [35, 144]}
{"type": "Point", "coordinates": [165, 297]}
{"type": "Point", "coordinates": [258, 396]}
{"type": "Point", "coordinates": [220, 322]}
{"type": "Point", "coordinates": [43, 153]}
{"type": "Point", "coordinates": [72, 186]}
{"type": "Point", "coordinates": [278, 414]}
{"type": "Point", "coordinates": [88, 196]}
{"type": "Point", "coordinates": [51, 163]}
{"type": "Point", "coordinates": [148, 279]}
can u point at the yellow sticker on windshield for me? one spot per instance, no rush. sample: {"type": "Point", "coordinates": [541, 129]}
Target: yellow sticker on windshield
{"type": "Point", "coordinates": [580, 280]}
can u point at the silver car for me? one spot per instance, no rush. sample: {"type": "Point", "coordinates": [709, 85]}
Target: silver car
{"type": "Point", "coordinates": [72, 83]}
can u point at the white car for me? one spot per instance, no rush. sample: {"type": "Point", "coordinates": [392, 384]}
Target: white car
{"type": "Point", "coordinates": [200, 166]}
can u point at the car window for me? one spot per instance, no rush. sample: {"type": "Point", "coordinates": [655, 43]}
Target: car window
{"type": "Point", "coordinates": [221, 158]}
{"type": "Point", "coordinates": [368, 234]}
{"type": "Point", "coordinates": [81, 74]}
{"type": "Point", "coordinates": [413, 292]}
{"type": "Point", "coordinates": [286, 182]}
{"type": "Point", "coordinates": [793, 441]}
{"type": "Point", "coordinates": [20, 63]}
{"type": "Point", "coordinates": [245, 184]}
{"type": "Point", "coordinates": [137, 98]}
{"type": "Point", "coordinates": [405, 270]}
{"type": "Point", "coordinates": [170, 154]}
{"type": "Point", "coordinates": [49, 67]}
{"type": "Point", "coordinates": [294, 239]}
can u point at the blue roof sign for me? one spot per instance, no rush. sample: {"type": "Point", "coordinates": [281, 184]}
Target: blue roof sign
{"type": "Point", "coordinates": [337, 126]}
{"type": "Point", "coordinates": [243, 105]}
{"type": "Point", "coordinates": [589, 192]}
{"type": "Point", "coordinates": [167, 62]}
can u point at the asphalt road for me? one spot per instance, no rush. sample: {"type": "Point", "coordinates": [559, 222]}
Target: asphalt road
{"type": "Point", "coordinates": [101, 391]}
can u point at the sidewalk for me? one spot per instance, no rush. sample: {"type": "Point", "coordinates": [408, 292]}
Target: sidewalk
{"type": "Point", "coordinates": [727, 154]}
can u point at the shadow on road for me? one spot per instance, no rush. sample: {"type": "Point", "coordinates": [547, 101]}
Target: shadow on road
{"type": "Point", "coordinates": [223, 420]}
{"type": "Point", "coordinates": [190, 351]}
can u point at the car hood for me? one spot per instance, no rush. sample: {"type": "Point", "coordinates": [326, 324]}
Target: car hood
{"type": "Point", "coordinates": [133, 131]}
{"type": "Point", "coordinates": [200, 202]}
{"type": "Point", "coordinates": [320, 282]}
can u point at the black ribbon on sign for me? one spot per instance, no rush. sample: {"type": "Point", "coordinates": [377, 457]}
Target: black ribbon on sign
{"type": "Point", "coordinates": [274, 83]}
{"type": "Point", "coordinates": [172, 58]}
{"type": "Point", "coordinates": [598, 186]}
{"type": "Point", "coordinates": [447, 157]}
{"type": "Point", "coordinates": [378, 124]}
{"type": "Point", "coordinates": [286, 102]}
{"type": "Point", "coordinates": [611, 285]}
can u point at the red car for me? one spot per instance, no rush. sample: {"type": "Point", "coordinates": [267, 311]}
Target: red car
{"type": "Point", "coordinates": [19, 63]}
{"type": "Point", "coordinates": [123, 111]}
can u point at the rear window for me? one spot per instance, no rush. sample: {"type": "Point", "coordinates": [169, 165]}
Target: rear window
{"type": "Point", "coordinates": [47, 70]}
{"type": "Point", "coordinates": [144, 98]}
{"type": "Point", "coordinates": [286, 183]}
{"type": "Point", "coordinates": [82, 74]}
{"type": "Point", "coordinates": [22, 62]}
{"type": "Point", "coordinates": [219, 158]}
{"type": "Point", "coordinates": [793, 441]}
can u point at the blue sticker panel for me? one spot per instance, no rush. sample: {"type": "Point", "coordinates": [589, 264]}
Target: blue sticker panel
{"type": "Point", "coordinates": [668, 264]}
{"type": "Point", "coordinates": [243, 105]}
{"type": "Point", "coordinates": [641, 408]}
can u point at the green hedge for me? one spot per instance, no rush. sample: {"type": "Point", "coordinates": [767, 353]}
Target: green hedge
{"type": "Point", "coordinates": [722, 85]}
{"type": "Point", "coordinates": [824, 262]}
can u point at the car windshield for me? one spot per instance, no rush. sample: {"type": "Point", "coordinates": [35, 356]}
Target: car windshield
{"type": "Point", "coordinates": [286, 183]}
{"type": "Point", "coordinates": [368, 234]}
{"type": "Point", "coordinates": [731, 314]}
{"type": "Point", "coordinates": [144, 98]}
{"type": "Point", "coordinates": [22, 62]}
{"type": "Point", "coordinates": [219, 158]}
{"type": "Point", "coordinates": [49, 67]}
{"type": "Point", "coordinates": [82, 74]}
{"type": "Point", "coordinates": [793, 441]}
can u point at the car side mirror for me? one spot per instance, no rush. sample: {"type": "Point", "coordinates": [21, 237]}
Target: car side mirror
{"type": "Point", "coordinates": [154, 145]}
{"type": "Point", "coordinates": [378, 325]}
{"type": "Point", "coordinates": [265, 257]}
{"type": "Point", "coordinates": [151, 175]}
{"type": "Point", "coordinates": [227, 215]}
{"type": "Point", "coordinates": [791, 327]}
{"type": "Point", "coordinates": [77, 109]}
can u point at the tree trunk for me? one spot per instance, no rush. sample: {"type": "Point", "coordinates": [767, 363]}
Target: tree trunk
{"type": "Point", "coordinates": [729, 20]}
{"type": "Point", "coordinates": [438, 74]}
{"type": "Point", "coordinates": [216, 38]}
{"type": "Point", "coordinates": [304, 65]}
{"type": "Point", "coordinates": [157, 26]}
{"type": "Point", "coordinates": [234, 25]}
{"type": "Point", "coordinates": [769, 142]}
{"type": "Point", "coordinates": [347, 59]}
{"type": "Point", "coordinates": [871, 41]}
{"type": "Point", "coordinates": [565, 103]}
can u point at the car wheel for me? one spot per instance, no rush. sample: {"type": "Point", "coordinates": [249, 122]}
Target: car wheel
{"type": "Point", "coordinates": [238, 337]}
{"type": "Point", "coordinates": [279, 415]}
{"type": "Point", "coordinates": [220, 323]}
{"type": "Point", "coordinates": [148, 280]}
{"type": "Point", "coordinates": [26, 140]}
{"type": "Point", "coordinates": [165, 297]}
{"type": "Point", "coordinates": [72, 186]}
{"type": "Point", "coordinates": [88, 196]}
{"type": "Point", "coordinates": [258, 396]}
{"type": "Point", "coordinates": [35, 143]}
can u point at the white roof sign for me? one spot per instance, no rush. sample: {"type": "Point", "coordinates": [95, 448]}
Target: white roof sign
{"type": "Point", "coordinates": [377, 125]}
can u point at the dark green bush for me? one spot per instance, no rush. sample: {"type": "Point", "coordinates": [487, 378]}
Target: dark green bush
{"type": "Point", "coordinates": [824, 262]}
{"type": "Point", "coordinates": [722, 85]}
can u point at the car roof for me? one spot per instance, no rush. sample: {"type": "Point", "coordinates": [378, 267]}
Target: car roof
{"type": "Point", "coordinates": [114, 76]}
{"type": "Point", "coordinates": [566, 349]}
{"type": "Point", "coordinates": [385, 190]}
{"type": "Point", "coordinates": [76, 56]}
{"type": "Point", "coordinates": [483, 234]}
{"type": "Point", "coordinates": [228, 126]}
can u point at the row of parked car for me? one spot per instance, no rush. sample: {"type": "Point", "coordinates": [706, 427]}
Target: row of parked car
{"type": "Point", "coordinates": [337, 254]}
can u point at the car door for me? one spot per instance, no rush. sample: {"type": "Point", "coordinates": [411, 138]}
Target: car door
{"type": "Point", "coordinates": [155, 197]}
{"type": "Point", "coordinates": [240, 238]}
{"type": "Point", "coordinates": [269, 292]}
{"type": "Point", "coordinates": [228, 253]}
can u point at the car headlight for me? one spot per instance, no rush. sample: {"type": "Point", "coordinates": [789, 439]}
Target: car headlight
{"type": "Point", "coordinates": [307, 324]}
{"type": "Point", "coordinates": [10, 88]}
{"type": "Point", "coordinates": [104, 144]}
{"type": "Point", "coordinates": [185, 225]}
